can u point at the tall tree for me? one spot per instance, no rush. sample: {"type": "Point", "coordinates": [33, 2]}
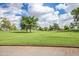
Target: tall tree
{"type": "Point", "coordinates": [56, 26]}
{"type": "Point", "coordinates": [29, 22]}
{"type": "Point", "coordinates": [5, 24]}
{"type": "Point", "coordinates": [75, 14]}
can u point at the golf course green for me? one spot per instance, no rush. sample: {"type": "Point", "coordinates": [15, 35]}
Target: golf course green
{"type": "Point", "coordinates": [40, 38]}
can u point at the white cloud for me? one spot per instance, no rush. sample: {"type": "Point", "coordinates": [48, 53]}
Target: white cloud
{"type": "Point", "coordinates": [67, 18]}
{"type": "Point", "coordinates": [47, 16]}
{"type": "Point", "coordinates": [72, 6]}
{"type": "Point", "coordinates": [15, 6]}
{"type": "Point", "coordinates": [68, 7]}
{"type": "Point", "coordinates": [39, 9]}
{"type": "Point", "coordinates": [61, 6]}
{"type": "Point", "coordinates": [57, 12]}
{"type": "Point", "coordinates": [11, 12]}
{"type": "Point", "coordinates": [2, 11]}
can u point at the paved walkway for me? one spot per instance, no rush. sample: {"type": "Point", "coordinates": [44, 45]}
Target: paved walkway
{"type": "Point", "coordinates": [37, 51]}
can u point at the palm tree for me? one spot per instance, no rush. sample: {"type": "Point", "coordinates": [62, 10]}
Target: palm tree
{"type": "Point", "coordinates": [75, 14]}
{"type": "Point", "coordinates": [29, 22]}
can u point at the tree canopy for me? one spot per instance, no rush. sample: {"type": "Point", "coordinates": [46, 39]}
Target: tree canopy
{"type": "Point", "coordinates": [75, 13]}
{"type": "Point", "coordinates": [29, 22]}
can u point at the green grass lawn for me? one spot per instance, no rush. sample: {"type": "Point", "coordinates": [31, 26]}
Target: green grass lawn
{"type": "Point", "coordinates": [42, 38]}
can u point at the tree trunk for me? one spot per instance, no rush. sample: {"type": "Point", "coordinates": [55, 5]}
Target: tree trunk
{"type": "Point", "coordinates": [28, 28]}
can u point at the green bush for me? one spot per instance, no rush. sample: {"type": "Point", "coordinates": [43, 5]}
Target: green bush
{"type": "Point", "coordinates": [66, 28]}
{"type": "Point", "coordinates": [0, 29]}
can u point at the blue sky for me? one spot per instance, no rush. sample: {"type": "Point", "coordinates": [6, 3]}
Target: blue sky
{"type": "Point", "coordinates": [47, 13]}
{"type": "Point", "coordinates": [25, 6]}
{"type": "Point", "coordinates": [53, 5]}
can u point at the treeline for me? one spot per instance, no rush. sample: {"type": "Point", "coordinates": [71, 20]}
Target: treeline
{"type": "Point", "coordinates": [56, 27]}
{"type": "Point", "coordinates": [29, 23]}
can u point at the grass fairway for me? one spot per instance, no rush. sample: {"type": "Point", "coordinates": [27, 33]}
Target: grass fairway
{"type": "Point", "coordinates": [42, 38]}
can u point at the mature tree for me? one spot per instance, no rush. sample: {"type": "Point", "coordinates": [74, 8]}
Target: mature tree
{"type": "Point", "coordinates": [56, 26]}
{"type": "Point", "coordinates": [13, 27]}
{"type": "Point", "coordinates": [5, 24]}
{"type": "Point", "coordinates": [66, 28]}
{"type": "Point", "coordinates": [29, 22]}
{"type": "Point", "coordinates": [75, 14]}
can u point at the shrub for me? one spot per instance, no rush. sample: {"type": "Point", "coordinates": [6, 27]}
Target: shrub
{"type": "Point", "coordinates": [45, 29]}
{"type": "Point", "coordinates": [66, 28]}
{"type": "Point", "coordinates": [51, 28]}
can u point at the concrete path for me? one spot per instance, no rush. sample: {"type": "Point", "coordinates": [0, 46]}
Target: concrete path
{"type": "Point", "coordinates": [37, 51]}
